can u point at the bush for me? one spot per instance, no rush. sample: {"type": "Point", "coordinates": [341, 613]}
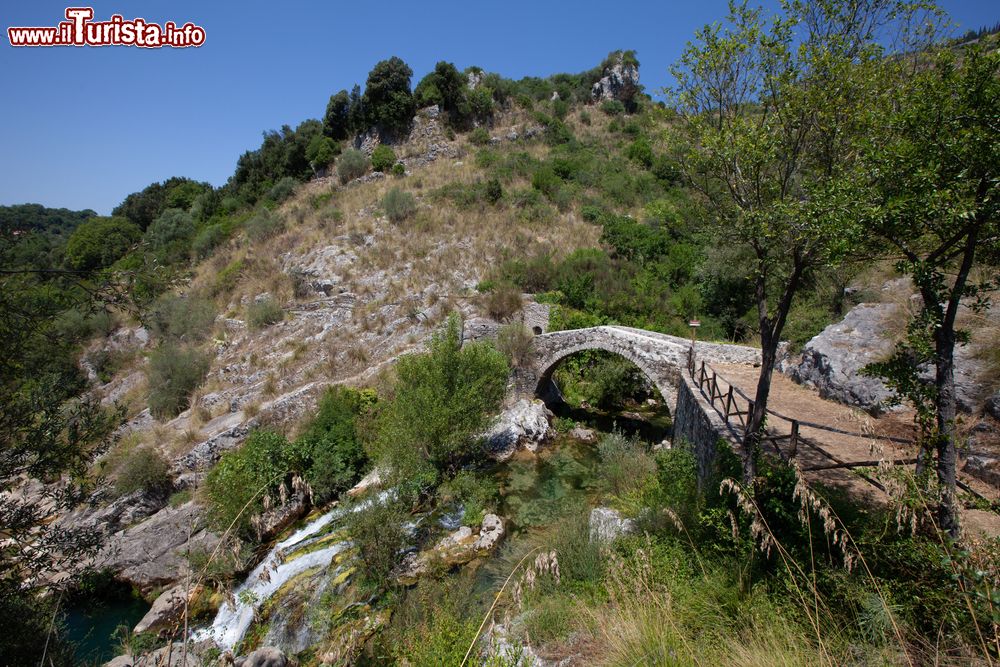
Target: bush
{"type": "Point", "coordinates": [612, 107]}
{"type": "Point", "coordinates": [398, 169]}
{"type": "Point", "coordinates": [100, 242]}
{"type": "Point", "coordinates": [181, 319]}
{"type": "Point", "coordinates": [626, 466]}
{"type": "Point", "coordinates": [477, 494]}
{"type": "Point", "coordinates": [479, 136]}
{"type": "Point", "coordinates": [170, 234]}
{"type": "Point", "coordinates": [329, 452]}
{"type": "Point", "coordinates": [263, 225]}
{"type": "Point", "coordinates": [207, 240]}
{"type": "Point", "coordinates": [494, 191]}
{"type": "Point", "coordinates": [264, 313]}
{"type": "Point", "coordinates": [641, 152]}
{"type": "Point", "coordinates": [321, 152]}
{"type": "Point", "coordinates": [237, 484]}
{"type": "Point", "coordinates": [283, 189]}
{"type": "Point", "coordinates": [376, 528]}
{"type": "Point", "coordinates": [503, 302]}
{"type": "Point", "coordinates": [441, 401]}
{"type": "Point", "coordinates": [399, 205]}
{"type": "Point", "coordinates": [173, 373]}
{"type": "Point", "coordinates": [585, 117]}
{"type": "Point", "coordinates": [515, 341]}
{"type": "Point", "coordinates": [146, 469]}
{"type": "Point", "coordinates": [352, 164]}
{"type": "Point", "coordinates": [383, 157]}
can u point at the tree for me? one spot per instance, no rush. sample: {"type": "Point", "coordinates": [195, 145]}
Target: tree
{"type": "Point", "coordinates": [336, 122]}
{"type": "Point", "coordinates": [446, 87]}
{"type": "Point", "coordinates": [388, 102]}
{"type": "Point", "coordinates": [143, 207]}
{"type": "Point", "coordinates": [932, 175]}
{"type": "Point", "coordinates": [46, 435]}
{"type": "Point", "coordinates": [441, 401]}
{"type": "Point", "coordinates": [774, 111]}
{"type": "Point", "coordinates": [100, 242]}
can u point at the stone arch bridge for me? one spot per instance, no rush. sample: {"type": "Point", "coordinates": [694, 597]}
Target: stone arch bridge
{"type": "Point", "coordinates": [660, 357]}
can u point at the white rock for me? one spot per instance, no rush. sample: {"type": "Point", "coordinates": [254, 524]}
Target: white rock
{"type": "Point", "coordinates": [607, 525]}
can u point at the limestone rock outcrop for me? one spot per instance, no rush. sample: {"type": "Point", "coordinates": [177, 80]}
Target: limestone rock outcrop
{"type": "Point", "coordinates": [619, 81]}
{"type": "Point", "coordinates": [524, 424]}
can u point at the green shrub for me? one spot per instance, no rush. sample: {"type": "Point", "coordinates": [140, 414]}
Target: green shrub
{"type": "Point", "coordinates": [321, 151]}
{"type": "Point", "coordinates": [503, 302]}
{"type": "Point", "coordinates": [283, 189]}
{"type": "Point", "coordinates": [641, 152]}
{"type": "Point", "coordinates": [383, 157]}
{"type": "Point", "coordinates": [399, 205]}
{"type": "Point", "coordinates": [441, 401]}
{"type": "Point", "coordinates": [174, 371]}
{"type": "Point", "coordinates": [179, 498]}
{"type": "Point", "coordinates": [612, 107]}
{"type": "Point", "coordinates": [352, 164]}
{"type": "Point", "coordinates": [170, 235]}
{"type": "Point", "coordinates": [478, 495]}
{"type": "Point", "coordinates": [237, 484]}
{"type": "Point", "coordinates": [398, 169]}
{"type": "Point", "coordinates": [329, 452]}
{"type": "Point", "coordinates": [546, 180]}
{"type": "Point", "coordinates": [376, 528]}
{"type": "Point", "coordinates": [145, 469]}
{"type": "Point", "coordinates": [585, 117]}
{"type": "Point", "coordinates": [207, 240]}
{"type": "Point", "coordinates": [560, 108]}
{"type": "Point", "coordinates": [100, 242]}
{"type": "Point", "coordinates": [229, 277]}
{"type": "Point", "coordinates": [264, 313]}
{"type": "Point", "coordinates": [626, 466]}
{"type": "Point", "coordinates": [494, 191]}
{"type": "Point", "coordinates": [181, 319]}
{"type": "Point", "coordinates": [479, 136]}
{"type": "Point", "coordinates": [263, 225]}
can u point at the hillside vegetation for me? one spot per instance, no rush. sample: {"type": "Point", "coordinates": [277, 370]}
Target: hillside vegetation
{"type": "Point", "coordinates": [250, 352]}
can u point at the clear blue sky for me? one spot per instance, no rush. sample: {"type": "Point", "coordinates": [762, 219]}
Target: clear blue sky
{"type": "Point", "coordinates": [83, 127]}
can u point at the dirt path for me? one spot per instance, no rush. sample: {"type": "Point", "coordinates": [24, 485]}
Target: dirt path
{"type": "Point", "coordinates": [849, 435]}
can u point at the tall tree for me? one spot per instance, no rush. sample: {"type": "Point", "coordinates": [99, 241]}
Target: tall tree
{"type": "Point", "coordinates": [932, 171]}
{"type": "Point", "coordinates": [388, 101]}
{"type": "Point", "coordinates": [773, 110]}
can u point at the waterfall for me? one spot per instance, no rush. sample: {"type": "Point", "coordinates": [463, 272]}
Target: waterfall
{"type": "Point", "coordinates": [234, 618]}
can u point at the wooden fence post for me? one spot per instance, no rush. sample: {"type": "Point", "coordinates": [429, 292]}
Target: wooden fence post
{"type": "Point", "coordinates": [729, 402]}
{"type": "Point", "coordinates": [794, 440]}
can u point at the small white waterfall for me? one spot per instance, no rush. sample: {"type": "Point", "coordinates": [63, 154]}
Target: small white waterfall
{"type": "Point", "coordinates": [233, 620]}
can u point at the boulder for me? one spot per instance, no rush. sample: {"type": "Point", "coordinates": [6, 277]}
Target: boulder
{"type": "Point", "coordinates": [832, 361]}
{"type": "Point", "coordinates": [992, 406]}
{"type": "Point", "coordinates": [167, 609]}
{"type": "Point", "coordinates": [607, 525]}
{"type": "Point", "coordinates": [269, 524]}
{"type": "Point", "coordinates": [490, 533]}
{"type": "Point", "coordinates": [267, 656]}
{"type": "Point", "coordinates": [583, 434]}
{"type": "Point", "coordinates": [372, 480]}
{"type": "Point", "coordinates": [526, 423]}
{"type": "Point", "coordinates": [480, 328]}
{"type": "Point", "coordinates": [151, 553]}
{"type": "Point", "coordinates": [619, 81]}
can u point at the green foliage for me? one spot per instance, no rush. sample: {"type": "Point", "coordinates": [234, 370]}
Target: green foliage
{"type": "Point", "coordinates": [237, 484]}
{"type": "Point", "coordinates": [494, 191]}
{"type": "Point", "coordinates": [515, 341]}
{"type": "Point", "coordinates": [264, 313]}
{"type": "Point", "coordinates": [479, 136]}
{"type": "Point", "coordinates": [169, 237]}
{"type": "Point", "coordinates": [283, 189]}
{"type": "Point", "coordinates": [207, 240]}
{"type": "Point", "coordinates": [641, 152]}
{"type": "Point", "coordinates": [321, 152]}
{"type": "Point", "coordinates": [143, 207]}
{"type": "Point", "coordinates": [388, 101]}
{"type": "Point", "coordinates": [282, 153]}
{"type": "Point", "coordinates": [181, 318]}
{"type": "Point", "coordinates": [399, 205]}
{"type": "Point", "coordinates": [339, 122]}
{"type": "Point", "coordinates": [263, 225]}
{"type": "Point", "coordinates": [612, 107]}
{"type": "Point", "coordinates": [352, 164]}
{"type": "Point", "coordinates": [398, 170]}
{"type": "Point", "coordinates": [625, 463]}
{"type": "Point", "coordinates": [329, 452]}
{"type": "Point", "coordinates": [441, 401]}
{"type": "Point", "coordinates": [145, 469]}
{"type": "Point", "coordinates": [174, 371]}
{"type": "Point", "coordinates": [376, 528]}
{"type": "Point", "coordinates": [477, 494]}
{"type": "Point", "coordinates": [99, 242]}
{"type": "Point", "coordinates": [383, 157]}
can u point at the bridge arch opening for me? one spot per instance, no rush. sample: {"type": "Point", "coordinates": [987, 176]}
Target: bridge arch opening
{"type": "Point", "coordinates": [606, 390]}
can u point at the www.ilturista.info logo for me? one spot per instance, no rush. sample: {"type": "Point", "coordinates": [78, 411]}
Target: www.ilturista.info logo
{"type": "Point", "coordinates": [80, 30]}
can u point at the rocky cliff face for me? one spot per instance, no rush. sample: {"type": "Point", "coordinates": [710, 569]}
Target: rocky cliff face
{"type": "Point", "coordinates": [619, 81]}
